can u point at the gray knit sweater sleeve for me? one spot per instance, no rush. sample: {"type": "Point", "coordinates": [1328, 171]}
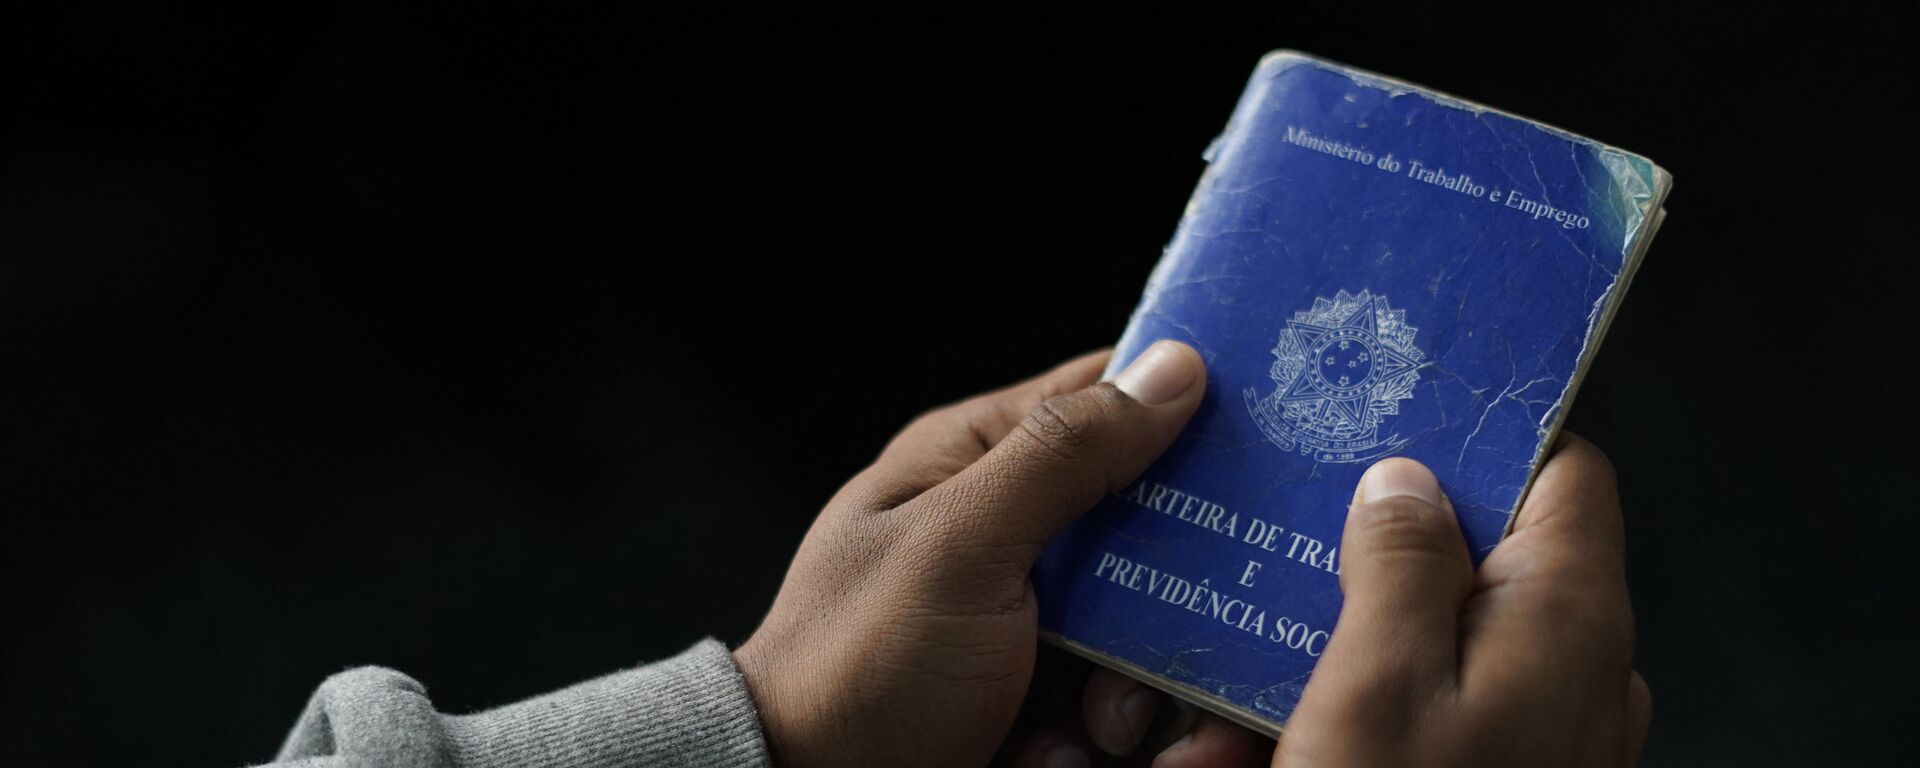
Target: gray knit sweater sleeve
{"type": "Point", "coordinates": [689, 710]}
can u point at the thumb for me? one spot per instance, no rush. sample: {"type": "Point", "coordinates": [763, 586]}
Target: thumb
{"type": "Point", "coordinates": [1405, 573]}
{"type": "Point", "coordinates": [1065, 455]}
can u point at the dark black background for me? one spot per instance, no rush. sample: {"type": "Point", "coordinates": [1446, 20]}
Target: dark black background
{"type": "Point", "coordinates": [509, 348]}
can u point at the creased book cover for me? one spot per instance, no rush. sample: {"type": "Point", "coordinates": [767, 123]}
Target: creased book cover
{"type": "Point", "coordinates": [1369, 269]}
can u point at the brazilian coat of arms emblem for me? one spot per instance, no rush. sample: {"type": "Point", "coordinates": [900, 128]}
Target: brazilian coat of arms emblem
{"type": "Point", "coordinates": [1340, 370]}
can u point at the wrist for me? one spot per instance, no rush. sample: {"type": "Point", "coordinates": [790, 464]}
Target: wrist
{"type": "Point", "coordinates": [788, 720]}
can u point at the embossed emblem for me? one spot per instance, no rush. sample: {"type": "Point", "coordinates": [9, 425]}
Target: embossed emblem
{"type": "Point", "coordinates": [1341, 368]}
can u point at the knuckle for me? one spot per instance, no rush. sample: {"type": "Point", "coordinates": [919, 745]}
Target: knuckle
{"type": "Point", "coordinates": [952, 429]}
{"type": "Point", "coordinates": [916, 431]}
{"type": "Point", "coordinates": [1062, 424]}
{"type": "Point", "coordinates": [870, 492]}
{"type": "Point", "coordinates": [934, 418]}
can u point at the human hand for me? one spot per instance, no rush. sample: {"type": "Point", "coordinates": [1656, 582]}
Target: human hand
{"type": "Point", "coordinates": [905, 632]}
{"type": "Point", "coordinates": [1525, 662]}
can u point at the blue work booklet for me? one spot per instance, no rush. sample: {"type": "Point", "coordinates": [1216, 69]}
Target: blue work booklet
{"type": "Point", "coordinates": [1369, 269]}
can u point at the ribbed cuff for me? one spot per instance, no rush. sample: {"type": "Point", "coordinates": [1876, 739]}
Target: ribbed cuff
{"type": "Point", "coordinates": [689, 710]}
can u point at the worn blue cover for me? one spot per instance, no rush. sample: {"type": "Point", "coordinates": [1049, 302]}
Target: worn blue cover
{"type": "Point", "coordinates": [1369, 269]}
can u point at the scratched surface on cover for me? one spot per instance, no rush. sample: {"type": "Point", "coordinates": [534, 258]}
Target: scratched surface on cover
{"type": "Point", "coordinates": [1369, 269]}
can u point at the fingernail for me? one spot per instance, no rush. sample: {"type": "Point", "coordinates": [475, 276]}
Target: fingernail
{"type": "Point", "coordinates": [1067, 756]}
{"type": "Point", "coordinates": [1399, 477]}
{"type": "Point", "coordinates": [1158, 375]}
{"type": "Point", "coordinates": [1139, 708]}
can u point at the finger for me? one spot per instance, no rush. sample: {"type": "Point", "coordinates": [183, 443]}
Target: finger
{"type": "Point", "coordinates": [1571, 516]}
{"type": "Point", "coordinates": [1054, 747]}
{"type": "Point", "coordinates": [1639, 717]}
{"type": "Point", "coordinates": [941, 442]}
{"type": "Point", "coordinates": [1175, 722]}
{"type": "Point", "coordinates": [1214, 742]}
{"type": "Point", "coordinates": [1553, 595]}
{"type": "Point", "coordinates": [1118, 710]}
{"type": "Point", "coordinates": [1404, 573]}
{"type": "Point", "coordinates": [1064, 455]}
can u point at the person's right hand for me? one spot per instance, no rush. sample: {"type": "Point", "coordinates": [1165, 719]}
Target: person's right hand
{"type": "Point", "coordinates": [1527, 662]}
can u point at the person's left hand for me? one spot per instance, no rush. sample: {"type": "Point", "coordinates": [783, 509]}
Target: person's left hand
{"type": "Point", "coordinates": [905, 633]}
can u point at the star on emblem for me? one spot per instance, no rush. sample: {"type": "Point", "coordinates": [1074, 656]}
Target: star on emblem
{"type": "Point", "coordinates": [1345, 360]}
{"type": "Point", "coordinates": [1340, 370]}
